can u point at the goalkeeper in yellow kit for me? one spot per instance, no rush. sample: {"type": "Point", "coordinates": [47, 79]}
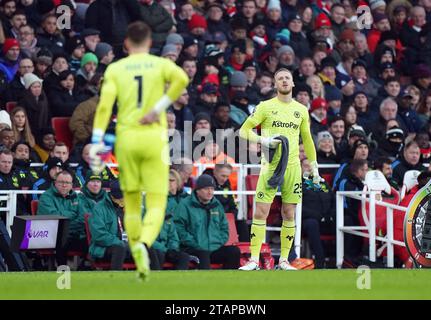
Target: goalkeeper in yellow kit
{"type": "Point", "coordinates": [279, 116]}
{"type": "Point", "coordinates": [137, 83]}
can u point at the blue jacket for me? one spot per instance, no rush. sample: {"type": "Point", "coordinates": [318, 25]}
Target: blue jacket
{"type": "Point", "coordinates": [8, 69]}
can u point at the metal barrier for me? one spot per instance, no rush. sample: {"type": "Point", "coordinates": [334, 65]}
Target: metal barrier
{"type": "Point", "coordinates": [371, 228]}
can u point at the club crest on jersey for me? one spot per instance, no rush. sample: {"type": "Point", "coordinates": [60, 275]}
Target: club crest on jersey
{"type": "Point", "coordinates": [280, 124]}
{"type": "Point", "coordinates": [274, 113]}
{"type": "Point", "coordinates": [297, 115]}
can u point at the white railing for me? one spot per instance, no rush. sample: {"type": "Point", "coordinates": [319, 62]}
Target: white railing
{"type": "Point", "coordinates": [370, 230]}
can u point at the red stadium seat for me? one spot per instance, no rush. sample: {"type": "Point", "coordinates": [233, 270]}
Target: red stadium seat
{"type": "Point", "coordinates": [329, 177]}
{"type": "Point", "coordinates": [267, 259]}
{"type": "Point", "coordinates": [10, 106]}
{"type": "Point", "coordinates": [96, 264]}
{"type": "Point", "coordinates": [62, 131]}
{"type": "Point", "coordinates": [34, 204]}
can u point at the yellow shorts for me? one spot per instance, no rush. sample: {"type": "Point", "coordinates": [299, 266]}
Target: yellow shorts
{"type": "Point", "coordinates": [291, 189]}
{"type": "Point", "coordinates": [143, 160]}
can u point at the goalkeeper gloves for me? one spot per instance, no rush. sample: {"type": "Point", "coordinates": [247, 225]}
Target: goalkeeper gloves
{"type": "Point", "coordinates": [315, 172]}
{"type": "Point", "coordinates": [100, 151]}
{"type": "Point", "coordinates": [270, 142]}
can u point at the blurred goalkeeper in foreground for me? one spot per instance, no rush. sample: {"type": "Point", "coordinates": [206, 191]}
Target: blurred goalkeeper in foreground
{"type": "Point", "coordinates": [137, 83]}
{"type": "Point", "coordinates": [282, 121]}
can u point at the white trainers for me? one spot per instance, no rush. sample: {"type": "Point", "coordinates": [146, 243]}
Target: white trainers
{"type": "Point", "coordinates": [284, 264]}
{"type": "Point", "coordinates": [250, 265]}
{"type": "Point", "coordinates": [142, 260]}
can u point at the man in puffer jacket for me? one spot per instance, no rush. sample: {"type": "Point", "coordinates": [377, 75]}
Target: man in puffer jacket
{"type": "Point", "coordinates": [203, 228]}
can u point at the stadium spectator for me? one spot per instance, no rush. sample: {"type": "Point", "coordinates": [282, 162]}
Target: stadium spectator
{"type": "Point", "coordinates": [384, 165]}
{"type": "Point", "coordinates": [407, 113]}
{"type": "Point", "coordinates": [28, 41]}
{"type": "Point", "coordinates": [326, 153]}
{"type": "Point", "coordinates": [334, 97]}
{"type": "Point", "coordinates": [75, 49]}
{"type": "Point", "coordinates": [35, 104]}
{"type": "Point", "coordinates": [203, 229]}
{"type": "Point", "coordinates": [83, 170]}
{"type": "Point", "coordinates": [106, 228]}
{"type": "Point", "coordinates": [318, 208]}
{"type": "Point", "coordinates": [16, 87]}
{"type": "Point", "coordinates": [318, 113]}
{"type": "Point", "coordinates": [21, 127]}
{"type": "Point", "coordinates": [103, 14]}
{"type": "Point", "coordinates": [9, 59]}
{"type": "Point", "coordinates": [64, 99]}
{"type": "Point", "coordinates": [89, 63]}
{"type": "Point", "coordinates": [105, 55]}
{"type": "Point", "coordinates": [47, 175]}
{"type": "Point", "coordinates": [45, 142]}
{"type": "Point", "coordinates": [316, 85]}
{"type": "Point", "coordinates": [21, 165]}
{"type": "Point", "coordinates": [182, 111]}
{"type": "Point", "coordinates": [158, 19]}
{"type": "Point", "coordinates": [52, 80]}
{"type": "Point", "coordinates": [8, 180]}
{"type": "Point", "coordinates": [50, 36]}
{"type": "Point", "coordinates": [393, 142]}
{"type": "Point", "coordinates": [353, 182]}
{"type": "Point", "coordinates": [61, 200]}
{"type": "Point", "coordinates": [409, 160]}
{"type": "Point", "coordinates": [184, 167]}
{"type": "Point", "coordinates": [7, 138]}
{"type": "Point", "coordinates": [337, 128]}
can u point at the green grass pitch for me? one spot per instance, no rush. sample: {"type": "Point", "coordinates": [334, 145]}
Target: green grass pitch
{"type": "Point", "coordinates": [230, 285]}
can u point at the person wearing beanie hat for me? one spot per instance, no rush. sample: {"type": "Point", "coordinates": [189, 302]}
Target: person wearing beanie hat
{"type": "Point", "coordinates": [197, 25]}
{"type": "Point", "coordinates": [326, 153]}
{"type": "Point", "coordinates": [209, 230]}
{"type": "Point", "coordinates": [50, 171]}
{"type": "Point", "coordinates": [170, 51]}
{"type": "Point", "coordinates": [89, 63]}
{"type": "Point", "coordinates": [318, 115]}
{"type": "Point", "coordinates": [274, 5]}
{"type": "Point", "coordinates": [76, 49]}
{"type": "Point", "coordinates": [175, 39]}
{"type": "Point", "coordinates": [360, 149]}
{"type": "Point", "coordinates": [5, 121]}
{"type": "Point", "coordinates": [105, 55]}
{"type": "Point", "coordinates": [286, 57]}
{"type": "Point", "coordinates": [378, 6]}
{"type": "Point", "coordinates": [283, 36]}
{"type": "Point", "coordinates": [334, 97]}
{"type": "Point", "coordinates": [302, 93]}
{"type": "Point", "coordinates": [10, 64]}
{"type": "Point", "coordinates": [208, 97]}
{"type": "Point", "coordinates": [190, 47]}
{"type": "Point", "coordinates": [238, 79]}
{"type": "Point", "coordinates": [91, 38]}
{"type": "Point", "coordinates": [30, 79]}
{"type": "Point", "coordinates": [92, 192]}
{"type": "Point", "coordinates": [322, 21]}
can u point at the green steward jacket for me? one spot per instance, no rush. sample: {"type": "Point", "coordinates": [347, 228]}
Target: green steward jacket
{"type": "Point", "coordinates": [104, 229]}
{"type": "Point", "coordinates": [199, 226]}
{"type": "Point", "coordinates": [52, 202]}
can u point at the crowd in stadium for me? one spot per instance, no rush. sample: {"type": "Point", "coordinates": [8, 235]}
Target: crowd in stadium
{"type": "Point", "coordinates": [367, 85]}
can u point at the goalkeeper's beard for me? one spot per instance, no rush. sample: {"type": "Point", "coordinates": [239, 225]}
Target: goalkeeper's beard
{"type": "Point", "coordinates": [285, 92]}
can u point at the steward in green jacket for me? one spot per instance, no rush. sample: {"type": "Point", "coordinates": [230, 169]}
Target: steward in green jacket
{"type": "Point", "coordinates": [61, 200]}
{"type": "Point", "coordinates": [106, 229]}
{"type": "Point", "coordinates": [203, 228]}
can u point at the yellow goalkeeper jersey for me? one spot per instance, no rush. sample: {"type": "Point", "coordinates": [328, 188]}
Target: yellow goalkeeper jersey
{"type": "Point", "coordinates": [136, 83]}
{"type": "Point", "coordinates": [288, 119]}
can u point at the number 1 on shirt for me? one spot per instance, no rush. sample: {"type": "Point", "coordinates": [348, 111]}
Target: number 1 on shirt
{"type": "Point", "coordinates": [140, 80]}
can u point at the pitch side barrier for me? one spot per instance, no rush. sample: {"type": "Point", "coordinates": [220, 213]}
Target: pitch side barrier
{"type": "Point", "coordinates": [368, 231]}
{"type": "Point", "coordinates": [240, 196]}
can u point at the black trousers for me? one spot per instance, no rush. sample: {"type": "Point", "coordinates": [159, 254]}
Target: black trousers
{"type": "Point", "coordinates": [229, 256]}
{"type": "Point", "coordinates": [178, 258]}
{"type": "Point", "coordinates": [116, 255]}
{"type": "Point", "coordinates": [311, 228]}
{"type": "Point", "coordinates": [79, 245]}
